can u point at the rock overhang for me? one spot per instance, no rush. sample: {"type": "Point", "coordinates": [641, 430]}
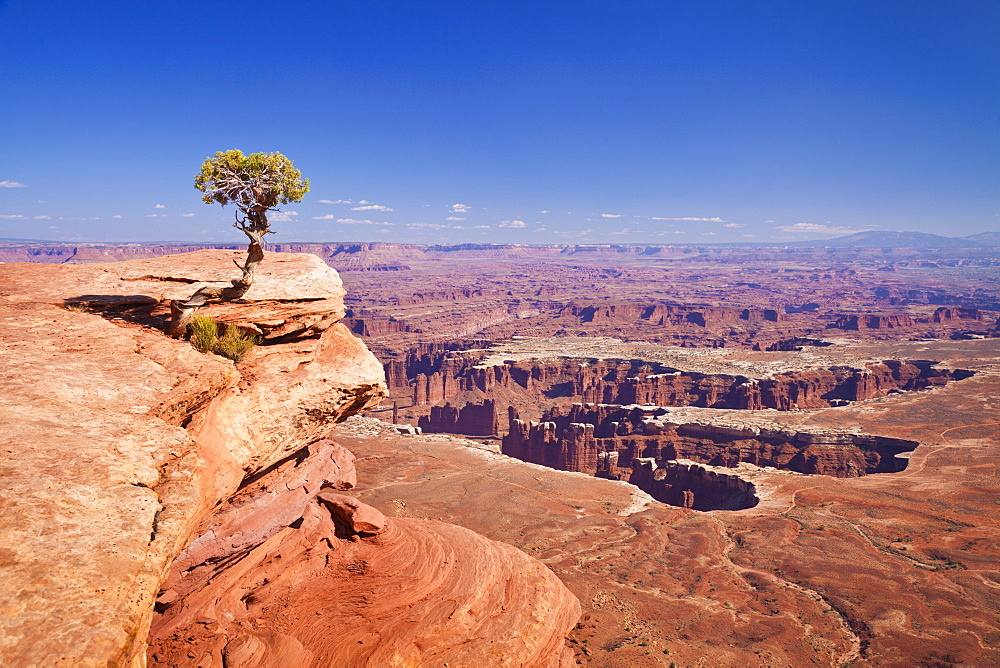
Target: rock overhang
{"type": "Point", "coordinates": [118, 438]}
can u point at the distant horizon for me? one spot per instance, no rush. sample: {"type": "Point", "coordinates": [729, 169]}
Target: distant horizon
{"type": "Point", "coordinates": [520, 122]}
{"type": "Point", "coordinates": [183, 242]}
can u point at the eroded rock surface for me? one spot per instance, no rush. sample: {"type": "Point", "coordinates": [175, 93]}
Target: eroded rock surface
{"type": "Point", "coordinates": [606, 440]}
{"type": "Point", "coordinates": [292, 571]}
{"type": "Point", "coordinates": [119, 443]}
{"type": "Point", "coordinates": [897, 569]}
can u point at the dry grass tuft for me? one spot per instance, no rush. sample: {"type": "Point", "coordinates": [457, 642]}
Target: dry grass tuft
{"type": "Point", "coordinates": [204, 333]}
{"type": "Point", "coordinates": [234, 343]}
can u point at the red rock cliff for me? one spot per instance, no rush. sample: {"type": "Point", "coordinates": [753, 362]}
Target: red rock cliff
{"type": "Point", "coordinates": [607, 440]}
{"type": "Point", "coordinates": [124, 449]}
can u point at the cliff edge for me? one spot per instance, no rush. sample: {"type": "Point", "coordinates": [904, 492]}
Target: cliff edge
{"type": "Point", "coordinates": [123, 448]}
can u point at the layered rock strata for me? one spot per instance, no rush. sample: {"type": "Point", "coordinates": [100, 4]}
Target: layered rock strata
{"type": "Point", "coordinates": [610, 440]}
{"type": "Point", "coordinates": [290, 571]}
{"type": "Point", "coordinates": [687, 484]}
{"type": "Point", "coordinates": [468, 394]}
{"type": "Point", "coordinates": [121, 445]}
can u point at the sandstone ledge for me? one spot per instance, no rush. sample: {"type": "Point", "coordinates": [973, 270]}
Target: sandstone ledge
{"type": "Point", "coordinates": [117, 440]}
{"type": "Point", "coordinates": [136, 470]}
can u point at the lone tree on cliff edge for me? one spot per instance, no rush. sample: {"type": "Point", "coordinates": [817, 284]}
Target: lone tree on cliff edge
{"type": "Point", "coordinates": [256, 184]}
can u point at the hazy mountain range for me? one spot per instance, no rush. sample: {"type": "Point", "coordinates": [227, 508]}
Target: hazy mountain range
{"type": "Point", "coordinates": [889, 239]}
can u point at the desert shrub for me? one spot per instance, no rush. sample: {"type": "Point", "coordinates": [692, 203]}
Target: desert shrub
{"type": "Point", "coordinates": [77, 307]}
{"type": "Point", "coordinates": [204, 333]}
{"type": "Point", "coordinates": [234, 343]}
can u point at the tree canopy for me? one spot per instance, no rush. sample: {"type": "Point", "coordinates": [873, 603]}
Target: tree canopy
{"type": "Point", "coordinates": [250, 181]}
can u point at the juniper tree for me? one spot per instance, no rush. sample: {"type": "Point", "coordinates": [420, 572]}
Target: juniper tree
{"type": "Point", "coordinates": [256, 184]}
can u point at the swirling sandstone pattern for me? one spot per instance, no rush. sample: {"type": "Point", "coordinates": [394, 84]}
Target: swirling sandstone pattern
{"type": "Point", "coordinates": [290, 572]}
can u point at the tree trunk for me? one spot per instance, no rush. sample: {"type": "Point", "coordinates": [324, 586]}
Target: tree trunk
{"type": "Point", "coordinates": [182, 311]}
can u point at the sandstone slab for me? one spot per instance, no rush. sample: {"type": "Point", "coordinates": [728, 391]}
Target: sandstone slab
{"type": "Point", "coordinates": [117, 440]}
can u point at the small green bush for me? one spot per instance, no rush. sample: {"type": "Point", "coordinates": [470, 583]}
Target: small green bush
{"type": "Point", "coordinates": [204, 333]}
{"type": "Point", "coordinates": [234, 343]}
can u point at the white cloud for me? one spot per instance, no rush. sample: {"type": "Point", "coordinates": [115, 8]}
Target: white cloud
{"type": "Point", "coordinates": [454, 218]}
{"type": "Point", "coordinates": [11, 184]}
{"type": "Point", "coordinates": [156, 215]}
{"type": "Point", "coordinates": [710, 234]}
{"type": "Point", "coordinates": [371, 207]}
{"type": "Point", "coordinates": [43, 217]}
{"type": "Point", "coordinates": [545, 211]}
{"type": "Point", "coordinates": [354, 221]}
{"type": "Point", "coordinates": [116, 216]}
{"type": "Point", "coordinates": [612, 215]}
{"type": "Point", "coordinates": [328, 216]}
{"type": "Point", "coordinates": [460, 208]}
{"type": "Point", "coordinates": [159, 206]}
{"type": "Point", "coordinates": [282, 216]}
{"type": "Point", "coordinates": [429, 226]}
{"type": "Point", "coordinates": [53, 227]}
{"type": "Point", "coordinates": [513, 223]}
{"type": "Point", "coordinates": [816, 228]}
{"type": "Point", "coordinates": [13, 216]}
{"type": "Point", "coordinates": [693, 219]}
{"type": "Point", "coordinates": [336, 201]}
{"type": "Point", "coordinates": [187, 215]}
{"type": "Point", "coordinates": [770, 221]}
{"type": "Point", "coordinates": [364, 201]}
{"type": "Point", "coordinates": [733, 225]}
{"type": "Point", "coordinates": [480, 227]}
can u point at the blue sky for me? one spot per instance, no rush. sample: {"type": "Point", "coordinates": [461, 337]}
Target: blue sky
{"type": "Point", "coordinates": [507, 121]}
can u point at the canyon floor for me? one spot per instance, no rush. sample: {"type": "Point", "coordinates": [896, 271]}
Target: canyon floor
{"type": "Point", "coordinates": [885, 569]}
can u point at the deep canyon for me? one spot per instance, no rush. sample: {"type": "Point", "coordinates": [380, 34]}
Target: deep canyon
{"type": "Point", "coordinates": [629, 456]}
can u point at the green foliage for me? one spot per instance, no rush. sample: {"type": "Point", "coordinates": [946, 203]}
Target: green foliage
{"type": "Point", "coordinates": [250, 181]}
{"type": "Point", "coordinates": [234, 343]}
{"type": "Point", "coordinates": [204, 332]}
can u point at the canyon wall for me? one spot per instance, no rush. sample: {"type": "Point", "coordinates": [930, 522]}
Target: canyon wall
{"type": "Point", "coordinates": [608, 440]}
{"type": "Point", "coordinates": [474, 394]}
{"type": "Point", "coordinates": [691, 485]}
{"type": "Point", "coordinates": [126, 449]}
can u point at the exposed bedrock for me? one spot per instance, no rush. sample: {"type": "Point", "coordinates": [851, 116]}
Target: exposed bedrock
{"type": "Point", "coordinates": [671, 315]}
{"type": "Point", "coordinates": [476, 393]}
{"type": "Point", "coordinates": [119, 440]}
{"type": "Point", "coordinates": [474, 419]}
{"type": "Point", "coordinates": [612, 441]}
{"type": "Point", "coordinates": [691, 485]}
{"type": "Point", "coordinates": [124, 448]}
{"type": "Point", "coordinates": [883, 321]}
{"type": "Point", "coordinates": [292, 571]}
